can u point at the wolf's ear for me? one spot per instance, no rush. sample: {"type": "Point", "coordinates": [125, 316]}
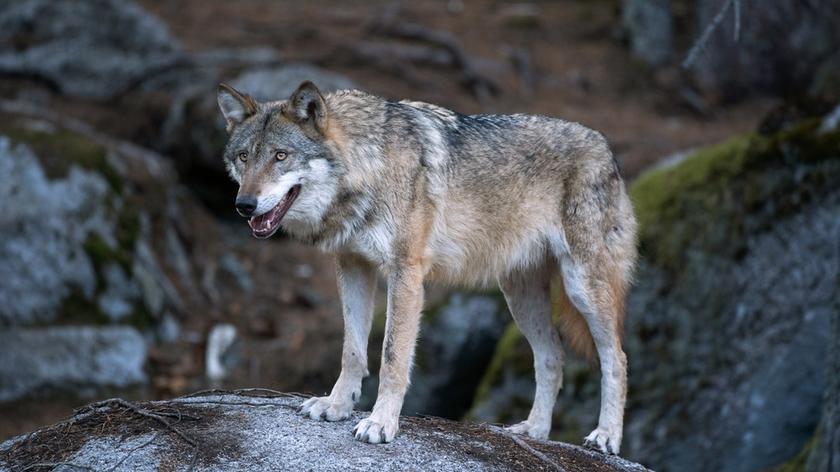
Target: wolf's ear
{"type": "Point", "coordinates": [307, 108]}
{"type": "Point", "coordinates": [235, 105]}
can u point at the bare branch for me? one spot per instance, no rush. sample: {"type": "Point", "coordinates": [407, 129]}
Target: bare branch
{"type": "Point", "coordinates": [700, 45]}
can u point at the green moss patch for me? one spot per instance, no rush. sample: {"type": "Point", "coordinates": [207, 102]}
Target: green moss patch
{"type": "Point", "coordinates": [799, 462]}
{"type": "Point", "coordinates": [719, 194]}
{"type": "Point", "coordinates": [61, 149]}
{"type": "Point", "coordinates": [509, 353]}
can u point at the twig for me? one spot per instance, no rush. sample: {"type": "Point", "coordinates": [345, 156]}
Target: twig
{"type": "Point", "coordinates": [141, 412]}
{"type": "Point", "coordinates": [700, 45]}
{"type": "Point", "coordinates": [244, 391]}
{"type": "Point", "coordinates": [524, 445]}
{"type": "Point", "coordinates": [52, 465]}
{"type": "Point", "coordinates": [235, 403]}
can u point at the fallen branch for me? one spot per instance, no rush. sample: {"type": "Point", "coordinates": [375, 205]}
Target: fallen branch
{"type": "Point", "coordinates": [524, 445]}
{"type": "Point", "coordinates": [268, 393]}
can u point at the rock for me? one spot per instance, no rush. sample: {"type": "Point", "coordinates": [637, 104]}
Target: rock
{"type": "Point", "coordinates": [38, 247]}
{"type": "Point", "coordinates": [825, 446]}
{"type": "Point", "coordinates": [76, 227]}
{"type": "Point", "coordinates": [728, 326]}
{"type": "Point", "coordinates": [87, 240]}
{"type": "Point", "coordinates": [779, 49]}
{"type": "Point", "coordinates": [69, 358]}
{"type": "Point", "coordinates": [649, 26]}
{"type": "Point", "coordinates": [247, 432]}
{"type": "Point", "coordinates": [89, 49]}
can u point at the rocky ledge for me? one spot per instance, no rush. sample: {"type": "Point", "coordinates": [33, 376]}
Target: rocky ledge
{"type": "Point", "coordinates": [262, 430]}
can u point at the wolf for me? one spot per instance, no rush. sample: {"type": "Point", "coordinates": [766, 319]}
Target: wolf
{"type": "Point", "coordinates": [419, 193]}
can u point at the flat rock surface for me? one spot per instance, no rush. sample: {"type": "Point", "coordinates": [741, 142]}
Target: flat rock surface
{"type": "Point", "coordinates": [261, 430]}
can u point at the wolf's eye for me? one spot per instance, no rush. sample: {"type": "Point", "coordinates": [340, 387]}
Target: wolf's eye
{"type": "Point", "coordinates": [280, 155]}
{"type": "Point", "coordinates": [242, 156]}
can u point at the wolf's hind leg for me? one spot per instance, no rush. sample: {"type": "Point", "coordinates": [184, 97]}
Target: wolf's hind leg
{"type": "Point", "coordinates": [528, 296]}
{"type": "Point", "coordinates": [357, 283]}
{"type": "Point", "coordinates": [599, 298]}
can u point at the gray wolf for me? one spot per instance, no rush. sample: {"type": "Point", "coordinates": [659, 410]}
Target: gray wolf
{"type": "Point", "coordinates": [420, 193]}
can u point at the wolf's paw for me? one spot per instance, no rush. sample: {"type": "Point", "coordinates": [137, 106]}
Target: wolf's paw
{"type": "Point", "coordinates": [536, 432]}
{"type": "Point", "coordinates": [322, 408]}
{"type": "Point", "coordinates": [602, 440]}
{"type": "Point", "coordinates": [374, 431]}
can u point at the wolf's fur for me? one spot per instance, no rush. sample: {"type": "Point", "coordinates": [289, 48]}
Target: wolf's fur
{"type": "Point", "coordinates": [420, 193]}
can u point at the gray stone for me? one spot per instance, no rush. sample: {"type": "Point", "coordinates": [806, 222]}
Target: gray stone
{"type": "Point", "coordinates": [85, 48]}
{"type": "Point", "coordinates": [42, 231]}
{"type": "Point", "coordinates": [234, 432]}
{"type": "Point", "coordinates": [69, 359]}
{"type": "Point", "coordinates": [121, 293]}
{"type": "Point", "coordinates": [750, 380]}
{"type": "Point", "coordinates": [779, 49]}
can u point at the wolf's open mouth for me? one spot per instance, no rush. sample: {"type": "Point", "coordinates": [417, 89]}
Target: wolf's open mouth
{"type": "Point", "coordinates": [265, 225]}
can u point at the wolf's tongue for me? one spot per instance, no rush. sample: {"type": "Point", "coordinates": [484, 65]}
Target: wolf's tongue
{"type": "Point", "coordinates": [261, 222]}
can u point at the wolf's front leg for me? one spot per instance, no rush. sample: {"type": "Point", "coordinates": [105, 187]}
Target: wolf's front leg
{"type": "Point", "coordinates": [405, 301]}
{"type": "Point", "coordinates": [357, 283]}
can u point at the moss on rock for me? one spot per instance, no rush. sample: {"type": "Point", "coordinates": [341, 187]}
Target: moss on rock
{"type": "Point", "coordinates": [718, 194]}
{"type": "Point", "coordinates": [506, 354]}
{"type": "Point", "coordinates": [60, 149]}
{"type": "Point", "coordinates": [799, 462]}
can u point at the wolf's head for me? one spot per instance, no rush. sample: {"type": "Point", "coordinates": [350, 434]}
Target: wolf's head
{"type": "Point", "coordinates": [279, 154]}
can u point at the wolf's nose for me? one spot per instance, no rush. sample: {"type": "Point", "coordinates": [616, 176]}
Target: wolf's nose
{"type": "Point", "coordinates": [246, 205]}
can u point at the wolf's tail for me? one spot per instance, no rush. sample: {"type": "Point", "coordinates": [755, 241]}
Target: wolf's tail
{"type": "Point", "coordinates": [573, 327]}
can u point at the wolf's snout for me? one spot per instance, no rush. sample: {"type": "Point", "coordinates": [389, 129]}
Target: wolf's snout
{"type": "Point", "coordinates": [246, 204]}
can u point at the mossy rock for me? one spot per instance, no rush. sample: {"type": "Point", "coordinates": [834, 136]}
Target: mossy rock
{"type": "Point", "coordinates": [799, 462]}
{"type": "Point", "coordinates": [60, 149]}
{"type": "Point", "coordinates": [717, 195]}
{"type": "Point", "coordinates": [106, 230]}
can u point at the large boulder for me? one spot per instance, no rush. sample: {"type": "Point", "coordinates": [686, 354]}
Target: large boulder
{"type": "Point", "coordinates": [70, 357]}
{"type": "Point", "coordinates": [781, 48]}
{"type": "Point", "coordinates": [94, 235]}
{"type": "Point", "coordinates": [246, 432]}
{"type": "Point", "coordinates": [84, 48]}
{"type": "Point", "coordinates": [728, 326]}
{"type": "Point", "coordinates": [778, 47]}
